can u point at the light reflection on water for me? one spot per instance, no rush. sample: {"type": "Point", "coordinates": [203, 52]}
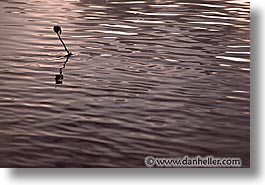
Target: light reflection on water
{"type": "Point", "coordinates": [154, 77]}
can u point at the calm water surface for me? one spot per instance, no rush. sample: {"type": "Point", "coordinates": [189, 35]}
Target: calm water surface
{"type": "Point", "coordinates": [155, 77]}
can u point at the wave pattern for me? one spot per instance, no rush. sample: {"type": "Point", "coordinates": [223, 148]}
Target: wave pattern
{"type": "Point", "coordinates": [155, 77]}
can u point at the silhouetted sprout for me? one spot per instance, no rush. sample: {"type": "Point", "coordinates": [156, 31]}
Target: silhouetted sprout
{"type": "Point", "coordinates": [57, 29]}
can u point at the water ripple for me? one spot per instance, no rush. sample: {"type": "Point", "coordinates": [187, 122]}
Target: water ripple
{"type": "Point", "coordinates": [153, 77]}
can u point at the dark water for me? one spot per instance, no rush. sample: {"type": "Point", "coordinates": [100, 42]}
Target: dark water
{"type": "Point", "coordinates": [156, 77]}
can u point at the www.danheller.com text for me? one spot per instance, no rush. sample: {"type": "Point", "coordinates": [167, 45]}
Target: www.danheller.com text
{"type": "Point", "coordinates": [198, 161]}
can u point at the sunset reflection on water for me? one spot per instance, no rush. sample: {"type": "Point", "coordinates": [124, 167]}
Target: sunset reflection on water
{"type": "Point", "coordinates": [155, 77]}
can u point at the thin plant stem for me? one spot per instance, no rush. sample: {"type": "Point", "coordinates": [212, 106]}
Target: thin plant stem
{"type": "Point", "coordinates": [63, 44]}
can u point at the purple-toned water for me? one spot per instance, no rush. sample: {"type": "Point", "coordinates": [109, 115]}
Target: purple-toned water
{"type": "Point", "coordinates": [157, 77]}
